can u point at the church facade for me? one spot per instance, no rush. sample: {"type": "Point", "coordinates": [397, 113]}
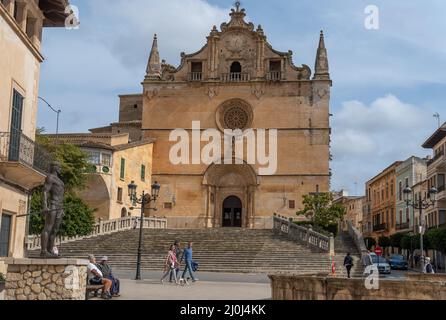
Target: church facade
{"type": "Point", "coordinates": [236, 81]}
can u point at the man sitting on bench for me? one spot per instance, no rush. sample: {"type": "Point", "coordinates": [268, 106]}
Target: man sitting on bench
{"type": "Point", "coordinates": [95, 278]}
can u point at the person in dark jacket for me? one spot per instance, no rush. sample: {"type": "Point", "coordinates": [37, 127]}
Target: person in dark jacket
{"type": "Point", "coordinates": [348, 264]}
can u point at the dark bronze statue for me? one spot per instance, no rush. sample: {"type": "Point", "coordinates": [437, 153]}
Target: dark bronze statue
{"type": "Point", "coordinates": [53, 195]}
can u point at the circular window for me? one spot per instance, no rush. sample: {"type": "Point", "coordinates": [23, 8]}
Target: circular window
{"type": "Point", "coordinates": [234, 114]}
{"type": "Point", "coordinates": [236, 118]}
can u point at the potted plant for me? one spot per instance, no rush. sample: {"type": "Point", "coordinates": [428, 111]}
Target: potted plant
{"type": "Point", "coordinates": [2, 282]}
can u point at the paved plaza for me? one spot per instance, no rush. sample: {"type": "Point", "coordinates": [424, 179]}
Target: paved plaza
{"type": "Point", "coordinates": [212, 286]}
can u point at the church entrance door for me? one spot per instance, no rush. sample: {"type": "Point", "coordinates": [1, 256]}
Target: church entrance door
{"type": "Point", "coordinates": [232, 212]}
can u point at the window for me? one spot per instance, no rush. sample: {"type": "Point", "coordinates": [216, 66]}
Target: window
{"type": "Point", "coordinates": [119, 197]}
{"type": "Point", "coordinates": [122, 173]}
{"type": "Point", "coordinates": [5, 235]}
{"type": "Point", "coordinates": [400, 191]}
{"type": "Point", "coordinates": [407, 215]}
{"type": "Point", "coordinates": [236, 67]}
{"type": "Point", "coordinates": [94, 157]}
{"type": "Point", "coordinates": [143, 173]}
{"type": "Point", "coordinates": [292, 204]}
{"type": "Point", "coordinates": [106, 159]}
{"type": "Point", "coordinates": [440, 182]}
{"type": "Point", "coordinates": [275, 66]}
{"type": "Point", "coordinates": [401, 216]}
{"type": "Point", "coordinates": [168, 205]}
{"type": "Point", "coordinates": [196, 67]}
{"type": "Point", "coordinates": [442, 217]}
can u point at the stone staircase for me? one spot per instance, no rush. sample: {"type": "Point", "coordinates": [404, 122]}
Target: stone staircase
{"type": "Point", "coordinates": [216, 250]}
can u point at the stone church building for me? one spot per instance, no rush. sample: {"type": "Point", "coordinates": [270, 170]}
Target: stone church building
{"type": "Point", "coordinates": [237, 80]}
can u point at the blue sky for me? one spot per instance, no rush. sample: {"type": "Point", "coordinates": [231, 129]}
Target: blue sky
{"type": "Point", "coordinates": [387, 83]}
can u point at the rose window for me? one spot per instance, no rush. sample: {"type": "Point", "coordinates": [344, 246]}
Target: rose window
{"type": "Point", "coordinates": [236, 118]}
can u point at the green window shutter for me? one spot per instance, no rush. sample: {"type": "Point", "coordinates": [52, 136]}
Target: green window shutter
{"type": "Point", "coordinates": [122, 176]}
{"type": "Point", "coordinates": [143, 172]}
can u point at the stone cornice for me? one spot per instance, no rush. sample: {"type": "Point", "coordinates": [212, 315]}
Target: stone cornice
{"type": "Point", "coordinates": [21, 34]}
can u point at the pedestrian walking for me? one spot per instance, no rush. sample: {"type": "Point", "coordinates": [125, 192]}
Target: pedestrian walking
{"type": "Point", "coordinates": [428, 268]}
{"type": "Point", "coordinates": [348, 264]}
{"type": "Point", "coordinates": [178, 253]}
{"type": "Point", "coordinates": [367, 261]}
{"type": "Point", "coordinates": [170, 264]}
{"type": "Point", "coordinates": [187, 257]}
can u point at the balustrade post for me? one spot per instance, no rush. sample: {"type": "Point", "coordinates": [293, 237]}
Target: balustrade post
{"type": "Point", "coordinates": [332, 245]}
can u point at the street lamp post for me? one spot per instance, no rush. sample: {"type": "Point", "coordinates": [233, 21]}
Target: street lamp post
{"type": "Point", "coordinates": [145, 199]}
{"type": "Point", "coordinates": [420, 204]}
{"type": "Point", "coordinates": [58, 115]}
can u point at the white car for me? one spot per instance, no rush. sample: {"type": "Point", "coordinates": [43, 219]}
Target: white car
{"type": "Point", "coordinates": [381, 263]}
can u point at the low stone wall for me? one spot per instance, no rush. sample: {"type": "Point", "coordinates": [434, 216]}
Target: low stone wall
{"type": "Point", "coordinates": [39, 279]}
{"type": "Point", "coordinates": [417, 287]}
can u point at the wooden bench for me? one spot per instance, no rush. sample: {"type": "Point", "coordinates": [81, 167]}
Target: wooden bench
{"type": "Point", "coordinates": [92, 288]}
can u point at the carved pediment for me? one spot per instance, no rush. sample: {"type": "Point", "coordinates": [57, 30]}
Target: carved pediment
{"type": "Point", "coordinates": [237, 21]}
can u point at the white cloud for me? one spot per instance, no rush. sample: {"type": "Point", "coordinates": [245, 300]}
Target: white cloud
{"type": "Point", "coordinates": [368, 138]}
{"type": "Point", "coordinates": [181, 26]}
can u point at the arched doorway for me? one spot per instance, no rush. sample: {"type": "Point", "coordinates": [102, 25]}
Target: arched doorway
{"type": "Point", "coordinates": [123, 212]}
{"type": "Point", "coordinates": [232, 212]}
{"type": "Point", "coordinates": [236, 67]}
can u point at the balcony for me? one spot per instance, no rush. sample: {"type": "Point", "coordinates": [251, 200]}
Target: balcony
{"type": "Point", "coordinates": [22, 161]}
{"type": "Point", "coordinates": [195, 76]}
{"type": "Point", "coordinates": [403, 226]}
{"type": "Point", "coordinates": [274, 76]}
{"type": "Point", "coordinates": [434, 159]}
{"type": "Point", "coordinates": [380, 227]}
{"type": "Point", "coordinates": [235, 77]}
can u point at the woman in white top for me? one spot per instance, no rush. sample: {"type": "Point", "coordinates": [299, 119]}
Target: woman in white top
{"type": "Point", "coordinates": [171, 264]}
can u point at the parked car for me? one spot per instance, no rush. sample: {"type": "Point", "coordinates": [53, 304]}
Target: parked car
{"type": "Point", "coordinates": [381, 263]}
{"type": "Point", "coordinates": [398, 262]}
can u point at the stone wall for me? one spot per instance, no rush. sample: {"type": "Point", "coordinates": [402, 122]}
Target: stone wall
{"type": "Point", "coordinates": [286, 287]}
{"type": "Point", "coordinates": [39, 279]}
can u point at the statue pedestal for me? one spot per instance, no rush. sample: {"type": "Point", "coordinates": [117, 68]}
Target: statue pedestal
{"type": "Point", "coordinates": [41, 279]}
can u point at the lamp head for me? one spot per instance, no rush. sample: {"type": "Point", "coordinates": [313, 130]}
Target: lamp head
{"type": "Point", "coordinates": [155, 190]}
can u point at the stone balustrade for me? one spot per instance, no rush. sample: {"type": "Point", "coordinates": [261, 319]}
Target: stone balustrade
{"type": "Point", "coordinates": [323, 287]}
{"type": "Point", "coordinates": [357, 237]}
{"type": "Point", "coordinates": [303, 235]}
{"type": "Point", "coordinates": [106, 227]}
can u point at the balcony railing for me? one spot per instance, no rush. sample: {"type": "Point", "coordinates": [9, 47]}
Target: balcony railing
{"type": "Point", "coordinates": [235, 77]}
{"type": "Point", "coordinates": [434, 159]}
{"type": "Point", "coordinates": [195, 76]}
{"type": "Point", "coordinates": [19, 148]}
{"type": "Point", "coordinates": [403, 226]}
{"type": "Point", "coordinates": [380, 227]}
{"type": "Point", "coordinates": [274, 76]}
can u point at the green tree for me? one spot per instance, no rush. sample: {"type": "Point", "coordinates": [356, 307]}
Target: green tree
{"type": "Point", "coordinates": [73, 161]}
{"type": "Point", "coordinates": [369, 242]}
{"type": "Point", "coordinates": [384, 242]}
{"type": "Point", "coordinates": [321, 211]}
{"type": "Point", "coordinates": [395, 240]}
{"type": "Point", "coordinates": [77, 221]}
{"type": "Point", "coordinates": [437, 239]}
{"type": "Point", "coordinates": [78, 218]}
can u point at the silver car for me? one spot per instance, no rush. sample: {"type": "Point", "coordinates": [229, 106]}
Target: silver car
{"type": "Point", "coordinates": [381, 263]}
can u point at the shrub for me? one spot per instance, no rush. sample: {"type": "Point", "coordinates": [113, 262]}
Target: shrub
{"type": "Point", "coordinates": [2, 278]}
{"type": "Point", "coordinates": [384, 242]}
{"type": "Point", "coordinates": [369, 242]}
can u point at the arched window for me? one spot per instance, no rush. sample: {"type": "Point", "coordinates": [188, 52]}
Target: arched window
{"type": "Point", "coordinates": [123, 213]}
{"type": "Point", "coordinates": [236, 67]}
